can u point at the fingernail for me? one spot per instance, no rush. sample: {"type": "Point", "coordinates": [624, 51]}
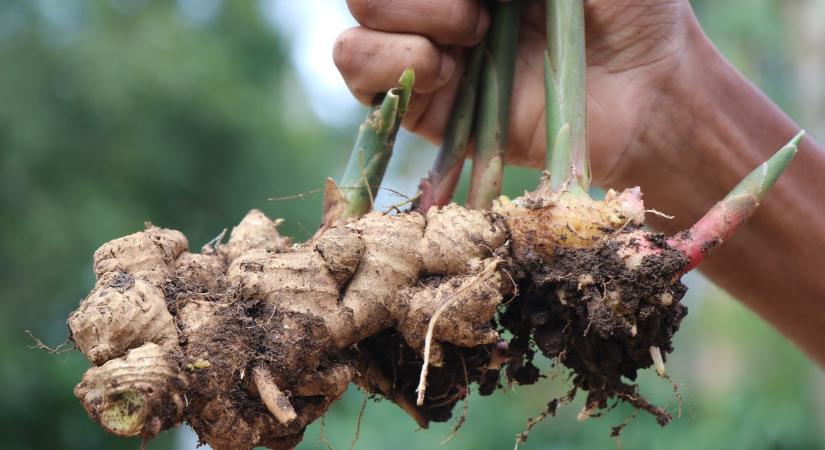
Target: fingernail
{"type": "Point", "coordinates": [481, 26]}
{"type": "Point", "coordinates": [447, 68]}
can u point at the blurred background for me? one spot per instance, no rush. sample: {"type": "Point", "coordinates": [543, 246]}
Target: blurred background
{"type": "Point", "coordinates": [188, 113]}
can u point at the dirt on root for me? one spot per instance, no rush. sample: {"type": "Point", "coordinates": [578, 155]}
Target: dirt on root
{"type": "Point", "coordinates": [592, 314]}
{"type": "Point", "coordinates": [447, 384]}
{"type": "Point", "coordinates": [240, 334]}
{"type": "Point", "coordinates": [585, 310]}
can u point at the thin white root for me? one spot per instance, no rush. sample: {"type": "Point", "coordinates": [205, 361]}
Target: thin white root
{"type": "Point", "coordinates": [276, 402]}
{"type": "Point", "coordinates": [428, 340]}
{"type": "Point", "coordinates": [586, 412]}
{"type": "Point", "coordinates": [660, 214]}
{"type": "Point", "coordinates": [549, 411]}
{"type": "Point", "coordinates": [385, 387]}
{"type": "Point", "coordinates": [358, 421]}
{"type": "Point", "coordinates": [460, 422]}
{"type": "Point", "coordinates": [658, 362]}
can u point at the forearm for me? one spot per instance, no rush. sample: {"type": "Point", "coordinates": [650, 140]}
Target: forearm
{"type": "Point", "coordinates": [716, 129]}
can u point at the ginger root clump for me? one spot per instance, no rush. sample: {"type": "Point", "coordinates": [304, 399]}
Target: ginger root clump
{"type": "Point", "coordinates": [260, 336]}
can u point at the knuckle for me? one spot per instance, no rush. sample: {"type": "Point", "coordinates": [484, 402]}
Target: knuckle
{"type": "Point", "coordinates": [365, 98]}
{"type": "Point", "coordinates": [343, 53]}
{"type": "Point", "coordinates": [455, 22]}
{"type": "Point", "coordinates": [466, 18]}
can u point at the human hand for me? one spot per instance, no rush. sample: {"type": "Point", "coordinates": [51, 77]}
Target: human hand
{"type": "Point", "coordinates": [635, 49]}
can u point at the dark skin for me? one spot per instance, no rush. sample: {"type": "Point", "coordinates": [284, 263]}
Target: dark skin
{"type": "Point", "coordinates": [666, 112]}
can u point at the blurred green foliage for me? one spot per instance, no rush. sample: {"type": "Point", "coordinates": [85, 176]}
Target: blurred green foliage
{"type": "Point", "coordinates": [109, 118]}
{"type": "Point", "coordinates": [117, 112]}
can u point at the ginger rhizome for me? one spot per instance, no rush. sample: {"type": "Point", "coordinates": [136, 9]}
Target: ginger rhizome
{"type": "Point", "coordinates": [251, 340]}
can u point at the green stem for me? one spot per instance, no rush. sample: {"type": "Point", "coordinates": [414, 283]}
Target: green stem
{"type": "Point", "coordinates": [759, 182]}
{"type": "Point", "coordinates": [373, 147]}
{"type": "Point", "coordinates": [564, 79]}
{"type": "Point", "coordinates": [494, 107]}
{"type": "Point", "coordinates": [719, 224]}
{"type": "Point", "coordinates": [438, 188]}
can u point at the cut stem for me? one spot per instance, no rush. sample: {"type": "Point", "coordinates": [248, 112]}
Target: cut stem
{"type": "Point", "coordinates": [566, 91]}
{"type": "Point", "coordinates": [373, 148]}
{"type": "Point", "coordinates": [438, 188]}
{"type": "Point", "coordinates": [719, 224]}
{"type": "Point", "coordinates": [494, 107]}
